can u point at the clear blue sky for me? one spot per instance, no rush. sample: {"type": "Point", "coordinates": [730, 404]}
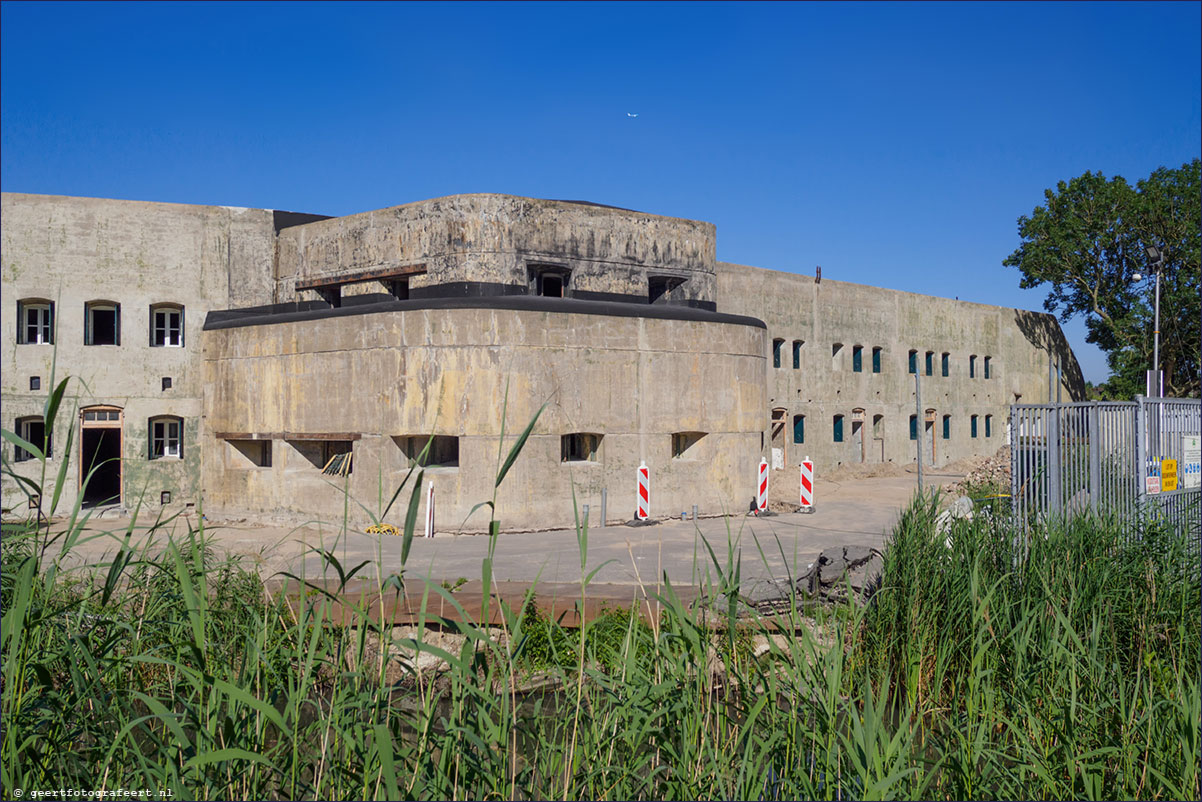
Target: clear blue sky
{"type": "Point", "coordinates": [894, 144]}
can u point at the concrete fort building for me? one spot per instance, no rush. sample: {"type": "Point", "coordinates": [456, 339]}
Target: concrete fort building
{"type": "Point", "coordinates": [223, 357]}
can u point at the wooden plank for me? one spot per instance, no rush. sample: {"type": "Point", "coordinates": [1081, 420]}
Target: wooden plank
{"type": "Point", "coordinates": [380, 274]}
{"type": "Point", "coordinates": [248, 435]}
{"type": "Point", "coordinates": [321, 436]}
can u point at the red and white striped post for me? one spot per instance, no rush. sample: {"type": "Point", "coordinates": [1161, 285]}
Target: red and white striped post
{"type": "Point", "coordinates": [430, 510]}
{"type": "Point", "coordinates": [761, 499]}
{"type": "Point", "coordinates": [644, 502]}
{"type": "Point", "coordinates": [807, 485]}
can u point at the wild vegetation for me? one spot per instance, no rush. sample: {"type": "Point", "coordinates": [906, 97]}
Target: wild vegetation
{"type": "Point", "coordinates": [1072, 675]}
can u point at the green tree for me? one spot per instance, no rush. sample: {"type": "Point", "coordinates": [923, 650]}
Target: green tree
{"type": "Point", "coordinates": [1087, 241]}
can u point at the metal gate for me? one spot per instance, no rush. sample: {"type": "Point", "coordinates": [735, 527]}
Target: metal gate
{"type": "Point", "coordinates": [1111, 458]}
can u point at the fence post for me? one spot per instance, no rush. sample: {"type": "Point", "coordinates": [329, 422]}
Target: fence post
{"type": "Point", "coordinates": [1095, 458]}
{"type": "Point", "coordinates": [1054, 487]}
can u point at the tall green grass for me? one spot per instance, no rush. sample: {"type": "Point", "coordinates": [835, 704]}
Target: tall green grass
{"type": "Point", "coordinates": [170, 668]}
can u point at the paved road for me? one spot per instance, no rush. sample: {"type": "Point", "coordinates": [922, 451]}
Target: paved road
{"type": "Point", "coordinates": [621, 558]}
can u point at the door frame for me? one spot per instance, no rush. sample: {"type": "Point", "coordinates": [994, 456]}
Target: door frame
{"type": "Point", "coordinates": [109, 423]}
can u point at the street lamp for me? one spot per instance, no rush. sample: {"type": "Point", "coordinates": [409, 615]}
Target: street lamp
{"type": "Point", "coordinates": [1155, 377]}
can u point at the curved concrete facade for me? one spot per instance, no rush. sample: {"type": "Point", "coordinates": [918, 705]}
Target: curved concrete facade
{"type": "Point", "coordinates": [382, 376]}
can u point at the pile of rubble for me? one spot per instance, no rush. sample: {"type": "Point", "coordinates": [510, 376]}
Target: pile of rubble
{"type": "Point", "coordinates": [983, 470]}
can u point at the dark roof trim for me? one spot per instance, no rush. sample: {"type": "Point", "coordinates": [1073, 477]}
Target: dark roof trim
{"type": "Point", "coordinates": [309, 310]}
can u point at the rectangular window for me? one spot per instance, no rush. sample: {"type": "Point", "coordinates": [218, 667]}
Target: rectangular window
{"type": "Point", "coordinates": [989, 426]}
{"type": "Point", "coordinates": [165, 438]}
{"type": "Point", "coordinates": [166, 327]}
{"type": "Point", "coordinates": [777, 345]}
{"type": "Point", "coordinates": [838, 428]}
{"type": "Point", "coordinates": [943, 363]}
{"type": "Point", "coordinates": [876, 359]}
{"type": "Point", "coordinates": [972, 426]}
{"type": "Point", "coordinates": [947, 427]}
{"type": "Point", "coordinates": [683, 444]}
{"type": "Point", "coordinates": [986, 367]}
{"type": "Point", "coordinates": [579, 447]}
{"type": "Point", "coordinates": [799, 428]}
{"type": "Point", "coordinates": [930, 363]}
{"type": "Point", "coordinates": [797, 354]}
{"type": "Point", "coordinates": [913, 427]}
{"type": "Point", "coordinates": [442, 451]}
{"type": "Point", "coordinates": [913, 361]}
{"type": "Point", "coordinates": [972, 366]}
{"type": "Point", "coordinates": [857, 359]}
{"type": "Point", "coordinates": [32, 430]}
{"type": "Point", "coordinates": [35, 323]}
{"type": "Point", "coordinates": [550, 281]}
{"type": "Point", "coordinates": [102, 324]}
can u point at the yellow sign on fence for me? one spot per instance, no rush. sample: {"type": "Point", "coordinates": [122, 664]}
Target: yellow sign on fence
{"type": "Point", "coordinates": [1168, 475]}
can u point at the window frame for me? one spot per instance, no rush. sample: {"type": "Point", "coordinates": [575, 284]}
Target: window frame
{"type": "Point", "coordinates": [930, 363]}
{"type": "Point", "coordinates": [944, 364]}
{"type": "Point", "coordinates": [914, 427]}
{"type": "Point", "coordinates": [44, 326]}
{"type": "Point", "coordinates": [44, 441]}
{"type": "Point", "coordinates": [947, 427]}
{"type": "Point", "coordinates": [876, 359]}
{"type": "Point", "coordinates": [986, 367]}
{"type": "Point", "coordinates": [972, 426]}
{"type": "Point", "coordinates": [160, 444]}
{"type": "Point", "coordinates": [778, 343]}
{"type": "Point", "coordinates": [989, 426]}
{"type": "Point", "coordinates": [90, 308]}
{"type": "Point", "coordinates": [972, 366]}
{"type": "Point", "coordinates": [799, 428]}
{"type": "Point", "coordinates": [857, 359]}
{"type": "Point", "coordinates": [837, 429]}
{"type": "Point", "coordinates": [166, 309]}
{"type": "Point", "coordinates": [797, 354]}
{"type": "Point", "coordinates": [913, 364]}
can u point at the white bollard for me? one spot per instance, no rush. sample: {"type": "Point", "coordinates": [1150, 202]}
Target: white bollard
{"type": "Point", "coordinates": [644, 491]}
{"type": "Point", "coordinates": [430, 510]}
{"type": "Point", "coordinates": [761, 502]}
{"type": "Point", "coordinates": [807, 485]}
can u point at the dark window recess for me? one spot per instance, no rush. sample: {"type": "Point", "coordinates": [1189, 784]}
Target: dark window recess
{"type": "Point", "coordinates": [972, 366]}
{"type": "Point", "coordinates": [838, 429]}
{"type": "Point", "coordinates": [777, 345]}
{"type": "Point", "coordinates": [944, 363]}
{"type": "Point", "coordinates": [876, 360]}
{"type": "Point", "coordinates": [551, 281]}
{"type": "Point", "coordinates": [797, 354]}
{"type": "Point", "coordinates": [399, 288]}
{"type": "Point", "coordinates": [331, 295]}
{"type": "Point", "coordinates": [430, 451]}
{"type": "Point", "coordinates": [947, 427]}
{"type": "Point", "coordinates": [682, 442]}
{"type": "Point", "coordinates": [35, 382]}
{"type": "Point", "coordinates": [659, 287]}
{"type": "Point", "coordinates": [799, 428]}
{"type": "Point", "coordinates": [103, 324]}
{"type": "Point", "coordinates": [857, 359]}
{"type": "Point", "coordinates": [972, 430]}
{"type": "Point", "coordinates": [579, 447]}
{"type": "Point", "coordinates": [166, 382]}
{"type": "Point", "coordinates": [165, 498]}
{"type": "Point", "coordinates": [913, 361]}
{"type": "Point", "coordinates": [913, 427]}
{"type": "Point", "coordinates": [987, 366]}
{"type": "Point", "coordinates": [988, 425]}
{"type": "Point", "coordinates": [930, 363]}
{"type": "Point", "coordinates": [257, 452]}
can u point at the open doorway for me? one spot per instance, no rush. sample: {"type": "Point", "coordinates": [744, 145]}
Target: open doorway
{"type": "Point", "coordinates": [857, 433]}
{"type": "Point", "coordinates": [100, 456]}
{"type": "Point", "coordinates": [929, 431]}
{"type": "Point", "coordinates": [778, 438]}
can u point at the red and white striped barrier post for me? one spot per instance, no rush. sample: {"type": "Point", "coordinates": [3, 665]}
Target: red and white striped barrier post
{"type": "Point", "coordinates": [761, 498]}
{"type": "Point", "coordinates": [807, 485]}
{"type": "Point", "coordinates": [430, 510]}
{"type": "Point", "coordinates": [644, 507]}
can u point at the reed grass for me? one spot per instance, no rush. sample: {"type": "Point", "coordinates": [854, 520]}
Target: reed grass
{"type": "Point", "coordinates": [1074, 674]}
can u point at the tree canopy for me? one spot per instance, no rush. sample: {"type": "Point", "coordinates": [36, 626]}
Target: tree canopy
{"type": "Point", "coordinates": [1088, 241]}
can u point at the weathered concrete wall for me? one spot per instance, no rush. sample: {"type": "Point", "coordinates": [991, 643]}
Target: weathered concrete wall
{"type": "Point", "coordinates": [823, 314]}
{"type": "Point", "coordinates": [634, 380]}
{"type": "Point", "coordinates": [74, 250]}
{"type": "Point", "coordinates": [494, 239]}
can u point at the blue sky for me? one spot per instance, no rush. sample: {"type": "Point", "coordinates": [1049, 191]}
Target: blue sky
{"type": "Point", "coordinates": [894, 144]}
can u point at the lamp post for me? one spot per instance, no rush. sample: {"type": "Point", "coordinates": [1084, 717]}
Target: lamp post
{"type": "Point", "coordinates": [1155, 377]}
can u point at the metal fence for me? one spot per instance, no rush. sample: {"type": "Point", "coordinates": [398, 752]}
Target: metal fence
{"type": "Point", "coordinates": [1112, 458]}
